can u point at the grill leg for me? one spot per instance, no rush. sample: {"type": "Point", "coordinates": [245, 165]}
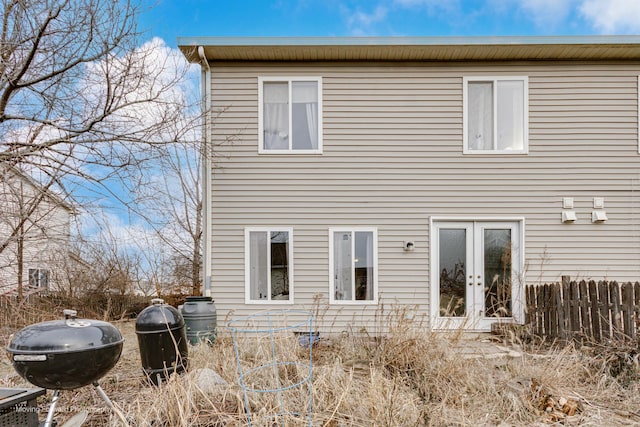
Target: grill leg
{"type": "Point", "coordinates": [48, 422]}
{"type": "Point", "coordinates": [110, 404]}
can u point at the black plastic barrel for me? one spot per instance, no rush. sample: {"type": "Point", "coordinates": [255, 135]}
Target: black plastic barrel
{"type": "Point", "coordinates": [162, 341]}
{"type": "Point", "coordinates": [200, 319]}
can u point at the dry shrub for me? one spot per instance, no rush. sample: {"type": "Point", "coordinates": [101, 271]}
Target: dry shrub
{"type": "Point", "coordinates": [397, 374]}
{"type": "Point", "coordinates": [617, 359]}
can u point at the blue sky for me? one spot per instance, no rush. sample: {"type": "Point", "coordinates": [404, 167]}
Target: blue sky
{"type": "Point", "coordinates": [169, 19]}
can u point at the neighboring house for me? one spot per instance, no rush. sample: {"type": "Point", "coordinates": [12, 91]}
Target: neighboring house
{"type": "Point", "coordinates": [34, 235]}
{"type": "Point", "coordinates": [440, 173]}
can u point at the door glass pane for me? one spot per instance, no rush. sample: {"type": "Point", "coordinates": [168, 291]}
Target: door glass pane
{"type": "Point", "coordinates": [275, 118]}
{"type": "Point", "coordinates": [342, 266]}
{"type": "Point", "coordinates": [258, 265]}
{"type": "Point", "coordinates": [304, 115]}
{"type": "Point", "coordinates": [510, 115]}
{"type": "Point", "coordinates": [279, 265]}
{"type": "Point", "coordinates": [452, 251]}
{"type": "Point", "coordinates": [364, 265]}
{"type": "Point", "coordinates": [497, 272]}
{"type": "Point", "coordinates": [480, 112]}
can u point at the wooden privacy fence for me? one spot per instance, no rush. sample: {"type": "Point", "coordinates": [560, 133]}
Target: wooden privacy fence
{"type": "Point", "coordinates": [598, 311]}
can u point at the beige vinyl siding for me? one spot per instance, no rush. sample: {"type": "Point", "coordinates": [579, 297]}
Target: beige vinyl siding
{"type": "Point", "coordinates": [392, 159]}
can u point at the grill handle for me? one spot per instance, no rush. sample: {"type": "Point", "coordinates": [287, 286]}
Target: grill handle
{"type": "Point", "coordinates": [69, 314]}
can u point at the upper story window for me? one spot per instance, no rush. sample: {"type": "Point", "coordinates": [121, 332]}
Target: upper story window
{"type": "Point", "coordinates": [496, 115]}
{"type": "Point", "coordinates": [268, 265]}
{"type": "Point", "coordinates": [39, 278]}
{"type": "Point", "coordinates": [290, 115]}
{"type": "Point", "coordinates": [353, 265]}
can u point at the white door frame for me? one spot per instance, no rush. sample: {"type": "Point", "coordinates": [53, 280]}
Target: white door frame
{"type": "Point", "coordinates": [473, 323]}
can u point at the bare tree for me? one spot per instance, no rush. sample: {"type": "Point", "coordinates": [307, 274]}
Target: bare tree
{"type": "Point", "coordinates": [83, 105]}
{"type": "Point", "coordinates": [74, 81]}
{"type": "Point", "coordinates": [174, 199]}
{"type": "Point", "coordinates": [109, 264]}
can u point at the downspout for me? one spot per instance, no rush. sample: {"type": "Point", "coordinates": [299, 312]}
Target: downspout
{"type": "Point", "coordinates": [205, 87]}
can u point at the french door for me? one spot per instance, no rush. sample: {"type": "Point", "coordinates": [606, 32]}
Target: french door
{"type": "Point", "coordinates": [476, 271]}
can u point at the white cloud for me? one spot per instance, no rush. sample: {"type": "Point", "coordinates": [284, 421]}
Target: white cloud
{"type": "Point", "coordinates": [548, 14]}
{"type": "Point", "coordinates": [432, 6]}
{"type": "Point", "coordinates": [410, 3]}
{"type": "Point", "coordinates": [612, 16]}
{"type": "Point", "coordinates": [361, 22]}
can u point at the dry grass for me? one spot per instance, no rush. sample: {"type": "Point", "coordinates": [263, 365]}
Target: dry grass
{"type": "Point", "coordinates": [408, 377]}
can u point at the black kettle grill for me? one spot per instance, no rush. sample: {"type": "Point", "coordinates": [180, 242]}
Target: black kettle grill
{"type": "Point", "coordinates": [67, 354]}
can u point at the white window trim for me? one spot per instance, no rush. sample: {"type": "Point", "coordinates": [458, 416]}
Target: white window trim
{"type": "Point", "coordinates": [638, 98]}
{"type": "Point", "coordinates": [465, 97]}
{"type": "Point", "coordinates": [261, 81]}
{"type": "Point", "coordinates": [332, 299]}
{"type": "Point", "coordinates": [247, 266]}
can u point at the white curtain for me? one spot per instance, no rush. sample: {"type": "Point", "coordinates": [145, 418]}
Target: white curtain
{"type": "Point", "coordinates": [305, 94]}
{"type": "Point", "coordinates": [312, 124]}
{"type": "Point", "coordinates": [480, 116]}
{"type": "Point", "coordinates": [342, 266]}
{"type": "Point", "coordinates": [258, 265]}
{"type": "Point", "coordinates": [510, 115]}
{"type": "Point", "coordinates": [275, 115]}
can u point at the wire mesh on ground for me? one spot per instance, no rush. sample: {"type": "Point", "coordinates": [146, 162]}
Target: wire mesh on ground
{"type": "Point", "coordinates": [274, 353]}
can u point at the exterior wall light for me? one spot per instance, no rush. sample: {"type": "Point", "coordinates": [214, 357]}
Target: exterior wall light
{"type": "Point", "coordinates": [408, 246]}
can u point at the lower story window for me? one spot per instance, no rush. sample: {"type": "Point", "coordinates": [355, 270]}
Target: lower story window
{"type": "Point", "coordinates": [353, 265]}
{"type": "Point", "coordinates": [39, 278]}
{"type": "Point", "coordinates": [268, 265]}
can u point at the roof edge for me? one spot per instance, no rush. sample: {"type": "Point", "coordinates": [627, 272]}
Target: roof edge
{"type": "Point", "coordinates": [408, 41]}
{"type": "Point", "coordinates": [504, 48]}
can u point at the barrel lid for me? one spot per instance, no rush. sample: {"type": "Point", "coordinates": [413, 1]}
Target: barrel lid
{"type": "Point", "coordinates": [159, 317]}
{"type": "Point", "coordinates": [198, 299]}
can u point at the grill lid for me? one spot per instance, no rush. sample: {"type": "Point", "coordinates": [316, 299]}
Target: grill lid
{"type": "Point", "coordinates": [65, 336]}
{"type": "Point", "coordinates": [159, 317]}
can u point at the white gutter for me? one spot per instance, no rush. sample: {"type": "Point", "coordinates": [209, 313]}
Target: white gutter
{"type": "Point", "coordinates": [205, 87]}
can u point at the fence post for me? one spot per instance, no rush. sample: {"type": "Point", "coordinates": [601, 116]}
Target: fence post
{"type": "Point", "coordinates": [616, 312]}
{"type": "Point", "coordinates": [627, 310]}
{"type": "Point", "coordinates": [530, 298]}
{"type": "Point", "coordinates": [584, 309]}
{"type": "Point", "coordinates": [550, 314]}
{"type": "Point", "coordinates": [595, 311]}
{"type": "Point", "coordinates": [605, 323]}
{"type": "Point", "coordinates": [540, 310]}
{"type": "Point", "coordinates": [562, 330]}
{"type": "Point", "coordinates": [574, 309]}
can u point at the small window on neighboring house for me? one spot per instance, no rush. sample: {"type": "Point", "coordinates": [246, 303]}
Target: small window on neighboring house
{"type": "Point", "coordinates": [353, 266]}
{"type": "Point", "coordinates": [290, 115]}
{"type": "Point", "coordinates": [268, 265]}
{"type": "Point", "coordinates": [39, 278]}
{"type": "Point", "coordinates": [496, 115]}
